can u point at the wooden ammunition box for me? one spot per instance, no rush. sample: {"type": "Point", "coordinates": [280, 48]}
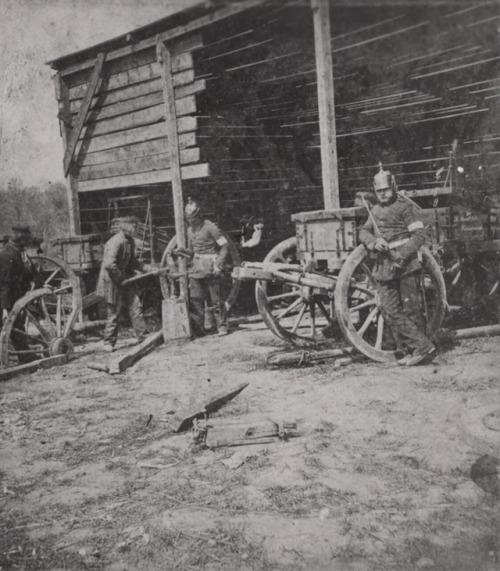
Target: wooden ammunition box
{"type": "Point", "coordinates": [80, 252]}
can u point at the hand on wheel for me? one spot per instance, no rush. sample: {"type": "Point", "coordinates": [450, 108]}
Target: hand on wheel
{"type": "Point", "coordinates": [381, 245]}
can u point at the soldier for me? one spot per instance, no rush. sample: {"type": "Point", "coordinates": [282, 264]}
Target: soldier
{"type": "Point", "coordinates": [120, 263]}
{"type": "Point", "coordinates": [15, 280]}
{"type": "Point", "coordinates": [395, 232]}
{"type": "Point", "coordinates": [209, 250]}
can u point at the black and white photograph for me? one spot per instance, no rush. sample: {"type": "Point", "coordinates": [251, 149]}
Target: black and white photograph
{"type": "Point", "coordinates": [250, 285]}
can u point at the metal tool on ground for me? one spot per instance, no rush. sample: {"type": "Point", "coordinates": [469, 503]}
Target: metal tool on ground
{"type": "Point", "coordinates": [304, 357]}
{"type": "Point", "coordinates": [204, 409]}
{"type": "Point", "coordinates": [215, 435]}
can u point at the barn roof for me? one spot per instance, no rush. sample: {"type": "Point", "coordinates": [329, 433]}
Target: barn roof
{"type": "Point", "coordinates": [211, 8]}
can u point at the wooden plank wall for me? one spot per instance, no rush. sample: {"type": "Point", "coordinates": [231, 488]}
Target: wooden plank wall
{"type": "Point", "coordinates": [124, 139]}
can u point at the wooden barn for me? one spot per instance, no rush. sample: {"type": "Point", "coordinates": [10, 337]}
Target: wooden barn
{"type": "Point", "coordinates": [260, 109]}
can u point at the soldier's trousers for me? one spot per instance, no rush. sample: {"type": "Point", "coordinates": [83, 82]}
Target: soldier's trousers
{"type": "Point", "coordinates": [128, 300]}
{"type": "Point", "coordinates": [400, 305]}
{"type": "Point", "coordinates": [201, 291]}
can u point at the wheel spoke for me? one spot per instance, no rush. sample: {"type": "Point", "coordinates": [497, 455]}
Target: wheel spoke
{"type": "Point", "coordinates": [368, 320]}
{"type": "Point", "coordinates": [44, 333]}
{"type": "Point", "coordinates": [369, 274]}
{"type": "Point", "coordinates": [362, 289]}
{"type": "Point", "coordinates": [58, 316]}
{"type": "Point", "coordinates": [49, 319]}
{"type": "Point", "coordinates": [52, 276]}
{"type": "Point", "coordinates": [299, 317]}
{"type": "Point", "coordinates": [313, 318]}
{"type": "Point", "coordinates": [289, 309]}
{"type": "Point", "coordinates": [284, 295]}
{"type": "Point", "coordinates": [368, 303]}
{"type": "Point", "coordinates": [380, 331]}
{"type": "Point", "coordinates": [26, 334]}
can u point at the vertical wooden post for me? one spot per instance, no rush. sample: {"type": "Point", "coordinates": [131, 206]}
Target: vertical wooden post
{"type": "Point", "coordinates": [62, 95]}
{"type": "Point", "coordinates": [326, 103]}
{"type": "Point", "coordinates": [164, 61]}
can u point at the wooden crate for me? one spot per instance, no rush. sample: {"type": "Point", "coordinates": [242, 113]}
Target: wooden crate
{"type": "Point", "coordinates": [327, 236]}
{"type": "Point", "coordinates": [80, 252]}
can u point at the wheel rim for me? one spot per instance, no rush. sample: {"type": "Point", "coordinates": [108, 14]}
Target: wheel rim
{"type": "Point", "coordinates": [229, 287]}
{"type": "Point", "coordinates": [56, 273]}
{"type": "Point", "coordinates": [36, 320]}
{"type": "Point", "coordinates": [300, 315]}
{"type": "Point", "coordinates": [358, 311]}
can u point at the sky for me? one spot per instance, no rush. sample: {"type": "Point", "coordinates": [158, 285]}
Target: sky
{"type": "Point", "coordinates": [33, 32]}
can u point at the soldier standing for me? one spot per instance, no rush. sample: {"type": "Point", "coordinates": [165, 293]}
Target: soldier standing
{"type": "Point", "coordinates": [208, 249]}
{"type": "Point", "coordinates": [15, 280]}
{"type": "Point", "coordinates": [395, 232]}
{"type": "Point", "coordinates": [120, 263]}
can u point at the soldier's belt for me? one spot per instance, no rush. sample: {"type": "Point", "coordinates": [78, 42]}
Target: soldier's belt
{"type": "Point", "coordinates": [397, 243]}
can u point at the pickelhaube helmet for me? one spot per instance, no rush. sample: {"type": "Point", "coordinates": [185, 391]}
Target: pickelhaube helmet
{"type": "Point", "coordinates": [192, 209]}
{"type": "Point", "coordinates": [383, 179]}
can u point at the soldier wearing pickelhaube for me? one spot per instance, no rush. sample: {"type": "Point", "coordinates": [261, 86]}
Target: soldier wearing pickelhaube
{"type": "Point", "coordinates": [395, 231]}
{"type": "Point", "coordinates": [209, 250]}
{"type": "Point", "coordinates": [16, 276]}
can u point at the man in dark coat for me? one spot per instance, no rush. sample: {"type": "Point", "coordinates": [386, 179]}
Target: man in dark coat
{"type": "Point", "coordinates": [120, 263]}
{"type": "Point", "coordinates": [209, 250]}
{"type": "Point", "coordinates": [15, 280]}
{"type": "Point", "coordinates": [395, 231]}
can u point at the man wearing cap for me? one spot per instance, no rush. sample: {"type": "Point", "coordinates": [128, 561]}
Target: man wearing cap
{"type": "Point", "coordinates": [120, 263]}
{"type": "Point", "coordinates": [209, 249]}
{"type": "Point", "coordinates": [395, 231]}
{"type": "Point", "coordinates": [15, 280]}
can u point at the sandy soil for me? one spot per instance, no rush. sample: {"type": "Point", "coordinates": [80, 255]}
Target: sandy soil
{"type": "Point", "coordinates": [377, 479]}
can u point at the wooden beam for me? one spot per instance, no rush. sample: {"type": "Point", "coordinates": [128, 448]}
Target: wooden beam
{"type": "Point", "coordinates": [71, 182]}
{"type": "Point", "coordinates": [33, 366]}
{"type": "Point", "coordinates": [82, 113]}
{"type": "Point", "coordinates": [164, 61]}
{"type": "Point", "coordinates": [326, 103]}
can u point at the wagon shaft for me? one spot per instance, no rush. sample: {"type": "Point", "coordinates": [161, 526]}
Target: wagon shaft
{"type": "Point", "coordinates": [275, 272]}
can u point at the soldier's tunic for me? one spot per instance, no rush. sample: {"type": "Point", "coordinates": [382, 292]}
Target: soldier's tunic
{"type": "Point", "coordinates": [399, 290]}
{"type": "Point", "coordinates": [119, 263]}
{"type": "Point", "coordinates": [15, 278]}
{"type": "Point", "coordinates": [210, 249]}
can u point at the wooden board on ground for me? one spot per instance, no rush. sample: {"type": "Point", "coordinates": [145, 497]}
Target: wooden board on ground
{"type": "Point", "coordinates": [33, 366]}
{"type": "Point", "coordinates": [175, 319]}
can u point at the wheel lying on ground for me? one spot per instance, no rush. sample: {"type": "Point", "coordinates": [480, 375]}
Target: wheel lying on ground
{"type": "Point", "coordinates": [301, 315]}
{"type": "Point", "coordinates": [230, 287]}
{"type": "Point", "coordinates": [39, 325]}
{"type": "Point", "coordinates": [358, 312]}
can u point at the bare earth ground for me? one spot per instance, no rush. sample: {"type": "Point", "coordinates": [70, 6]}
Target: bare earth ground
{"type": "Point", "coordinates": [378, 478]}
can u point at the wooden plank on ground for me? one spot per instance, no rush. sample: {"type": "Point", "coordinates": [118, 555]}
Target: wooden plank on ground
{"type": "Point", "coordinates": [122, 363]}
{"type": "Point", "coordinates": [76, 130]}
{"type": "Point", "coordinates": [137, 135]}
{"type": "Point", "coordinates": [136, 165]}
{"type": "Point", "coordinates": [200, 170]}
{"type": "Point", "coordinates": [45, 363]}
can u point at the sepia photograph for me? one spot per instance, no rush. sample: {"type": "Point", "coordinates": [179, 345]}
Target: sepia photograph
{"type": "Point", "coordinates": [250, 285]}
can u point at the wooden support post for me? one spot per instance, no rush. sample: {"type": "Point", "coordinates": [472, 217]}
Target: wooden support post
{"type": "Point", "coordinates": [77, 127]}
{"type": "Point", "coordinates": [164, 61]}
{"type": "Point", "coordinates": [326, 103]}
{"type": "Point", "coordinates": [62, 95]}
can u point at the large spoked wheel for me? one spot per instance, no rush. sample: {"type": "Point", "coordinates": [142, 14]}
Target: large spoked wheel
{"type": "Point", "coordinates": [358, 311]}
{"type": "Point", "coordinates": [230, 287]}
{"type": "Point", "coordinates": [56, 273]}
{"type": "Point", "coordinates": [301, 315]}
{"type": "Point", "coordinates": [39, 325]}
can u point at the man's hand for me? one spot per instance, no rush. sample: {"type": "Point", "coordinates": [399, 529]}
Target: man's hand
{"type": "Point", "coordinates": [380, 245]}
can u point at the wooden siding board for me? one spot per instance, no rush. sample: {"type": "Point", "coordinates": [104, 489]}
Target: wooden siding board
{"type": "Point", "coordinates": [200, 170]}
{"type": "Point", "coordinates": [137, 135]}
{"type": "Point", "coordinates": [136, 165]}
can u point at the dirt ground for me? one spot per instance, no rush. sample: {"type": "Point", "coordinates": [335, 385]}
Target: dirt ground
{"type": "Point", "coordinates": [378, 478]}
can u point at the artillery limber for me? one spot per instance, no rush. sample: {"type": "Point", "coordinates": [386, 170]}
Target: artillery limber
{"type": "Point", "coordinates": [318, 285]}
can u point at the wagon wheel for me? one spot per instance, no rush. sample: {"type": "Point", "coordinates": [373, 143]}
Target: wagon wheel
{"type": "Point", "coordinates": [230, 287]}
{"type": "Point", "coordinates": [39, 325]}
{"type": "Point", "coordinates": [56, 273]}
{"type": "Point", "coordinates": [357, 309]}
{"type": "Point", "coordinates": [301, 315]}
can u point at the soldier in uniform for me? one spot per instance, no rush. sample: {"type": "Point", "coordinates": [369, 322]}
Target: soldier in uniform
{"type": "Point", "coordinates": [395, 232]}
{"type": "Point", "coordinates": [15, 280]}
{"type": "Point", "coordinates": [120, 263]}
{"type": "Point", "coordinates": [209, 250]}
